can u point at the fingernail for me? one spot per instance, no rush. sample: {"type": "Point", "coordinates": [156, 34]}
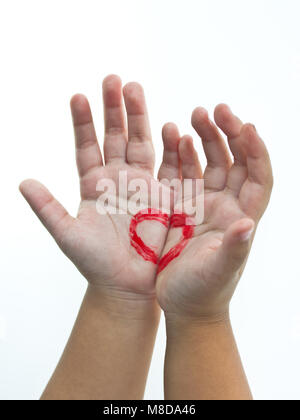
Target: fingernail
{"type": "Point", "coordinates": [247, 235]}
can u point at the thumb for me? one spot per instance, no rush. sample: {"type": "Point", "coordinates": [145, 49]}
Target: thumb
{"type": "Point", "coordinates": [50, 212]}
{"type": "Point", "coordinates": [236, 243]}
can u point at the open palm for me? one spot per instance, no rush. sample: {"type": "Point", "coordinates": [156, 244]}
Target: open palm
{"type": "Point", "coordinates": [202, 279]}
{"type": "Point", "coordinates": [99, 245]}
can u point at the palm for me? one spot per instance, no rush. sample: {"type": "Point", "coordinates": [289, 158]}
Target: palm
{"type": "Point", "coordinates": [232, 197]}
{"type": "Point", "coordinates": [100, 244]}
{"type": "Point", "coordinates": [198, 256]}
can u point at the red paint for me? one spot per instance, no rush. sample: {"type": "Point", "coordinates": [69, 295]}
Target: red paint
{"type": "Point", "coordinates": [150, 214]}
{"type": "Point", "coordinates": [176, 221]}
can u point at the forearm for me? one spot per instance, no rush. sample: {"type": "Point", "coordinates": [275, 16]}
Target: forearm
{"type": "Point", "coordinates": [109, 351]}
{"type": "Point", "coordinates": [203, 363]}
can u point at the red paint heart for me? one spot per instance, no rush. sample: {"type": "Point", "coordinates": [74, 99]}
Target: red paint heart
{"type": "Point", "coordinates": [150, 214]}
{"type": "Point", "coordinates": [176, 221]}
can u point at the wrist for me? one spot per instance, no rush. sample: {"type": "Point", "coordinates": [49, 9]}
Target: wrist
{"type": "Point", "coordinates": [202, 360]}
{"type": "Point", "coordinates": [179, 326]}
{"type": "Point", "coordinates": [123, 306]}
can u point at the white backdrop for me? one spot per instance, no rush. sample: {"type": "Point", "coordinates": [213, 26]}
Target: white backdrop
{"type": "Point", "coordinates": [185, 53]}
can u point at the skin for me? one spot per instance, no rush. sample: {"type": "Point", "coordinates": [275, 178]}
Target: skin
{"type": "Point", "coordinates": [195, 289]}
{"type": "Point", "coordinates": [121, 291]}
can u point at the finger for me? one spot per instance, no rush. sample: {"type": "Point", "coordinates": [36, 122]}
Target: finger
{"type": "Point", "coordinates": [256, 191]}
{"type": "Point", "coordinates": [50, 212]}
{"type": "Point", "coordinates": [88, 155]}
{"type": "Point", "coordinates": [190, 165]}
{"type": "Point", "coordinates": [115, 135]}
{"type": "Point", "coordinates": [231, 255]}
{"type": "Point", "coordinates": [170, 168]}
{"type": "Point", "coordinates": [258, 159]}
{"type": "Point", "coordinates": [231, 126]}
{"type": "Point", "coordinates": [218, 159]}
{"type": "Point", "coordinates": [140, 151]}
{"type": "Point", "coordinates": [227, 121]}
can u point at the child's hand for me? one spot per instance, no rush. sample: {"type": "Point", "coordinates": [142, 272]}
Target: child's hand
{"type": "Point", "coordinates": [99, 245]}
{"type": "Point", "coordinates": [201, 281]}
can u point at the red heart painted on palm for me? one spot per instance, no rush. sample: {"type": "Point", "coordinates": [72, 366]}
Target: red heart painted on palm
{"type": "Point", "coordinates": [150, 214]}
{"type": "Point", "coordinates": [176, 221]}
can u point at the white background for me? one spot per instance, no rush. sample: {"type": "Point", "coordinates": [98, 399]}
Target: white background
{"type": "Point", "coordinates": [185, 53]}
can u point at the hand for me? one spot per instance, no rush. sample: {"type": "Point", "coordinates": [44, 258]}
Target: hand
{"type": "Point", "coordinates": [99, 245]}
{"type": "Point", "coordinates": [201, 280]}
